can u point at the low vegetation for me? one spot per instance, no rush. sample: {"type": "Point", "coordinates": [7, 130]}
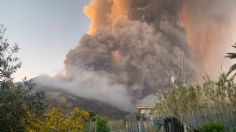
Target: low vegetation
{"type": "Point", "coordinates": [213, 126]}
{"type": "Point", "coordinates": [22, 108]}
{"type": "Point", "coordinates": [198, 104]}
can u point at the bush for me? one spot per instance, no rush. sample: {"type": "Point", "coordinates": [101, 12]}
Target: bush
{"type": "Point", "coordinates": [213, 126]}
{"type": "Point", "coordinates": [101, 124]}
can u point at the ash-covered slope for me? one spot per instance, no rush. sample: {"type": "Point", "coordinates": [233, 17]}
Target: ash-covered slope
{"type": "Point", "coordinates": [68, 101]}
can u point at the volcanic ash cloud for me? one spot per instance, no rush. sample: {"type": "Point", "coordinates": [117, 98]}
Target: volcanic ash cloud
{"type": "Point", "coordinates": [132, 43]}
{"type": "Point", "coordinates": [132, 49]}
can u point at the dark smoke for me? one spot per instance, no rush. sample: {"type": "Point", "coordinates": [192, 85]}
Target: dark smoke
{"type": "Point", "coordinates": [132, 52]}
{"type": "Point", "coordinates": [137, 51]}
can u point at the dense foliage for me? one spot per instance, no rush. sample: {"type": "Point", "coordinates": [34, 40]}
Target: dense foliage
{"type": "Point", "coordinates": [55, 120]}
{"type": "Point", "coordinates": [184, 97]}
{"type": "Point", "coordinates": [200, 103]}
{"type": "Point", "coordinates": [197, 104]}
{"type": "Point", "coordinates": [101, 124]}
{"type": "Point", "coordinates": [8, 62]}
{"type": "Point", "coordinates": [17, 101]}
{"type": "Point", "coordinates": [213, 126]}
{"type": "Point", "coordinates": [22, 108]}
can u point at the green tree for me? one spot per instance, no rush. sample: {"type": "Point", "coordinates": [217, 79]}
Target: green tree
{"type": "Point", "coordinates": [8, 62]}
{"type": "Point", "coordinates": [9, 104]}
{"type": "Point", "coordinates": [57, 121]}
{"type": "Point", "coordinates": [17, 101]}
{"type": "Point", "coordinates": [101, 124]}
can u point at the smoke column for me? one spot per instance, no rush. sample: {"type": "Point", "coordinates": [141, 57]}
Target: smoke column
{"type": "Point", "coordinates": [131, 43]}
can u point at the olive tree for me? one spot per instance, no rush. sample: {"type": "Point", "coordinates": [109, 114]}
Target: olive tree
{"type": "Point", "coordinates": [17, 101]}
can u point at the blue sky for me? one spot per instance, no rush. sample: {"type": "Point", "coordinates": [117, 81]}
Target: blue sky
{"type": "Point", "coordinates": [45, 30]}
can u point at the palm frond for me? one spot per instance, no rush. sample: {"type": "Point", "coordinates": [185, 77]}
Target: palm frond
{"type": "Point", "coordinates": [232, 68]}
{"type": "Point", "coordinates": [231, 55]}
{"type": "Point", "coordinates": [234, 46]}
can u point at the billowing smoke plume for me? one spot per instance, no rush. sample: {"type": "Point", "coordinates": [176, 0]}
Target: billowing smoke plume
{"type": "Point", "coordinates": [92, 85]}
{"type": "Point", "coordinates": [132, 44]}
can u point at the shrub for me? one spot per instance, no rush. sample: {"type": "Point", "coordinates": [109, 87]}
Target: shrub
{"type": "Point", "coordinates": [101, 124]}
{"type": "Point", "coordinates": [213, 126]}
